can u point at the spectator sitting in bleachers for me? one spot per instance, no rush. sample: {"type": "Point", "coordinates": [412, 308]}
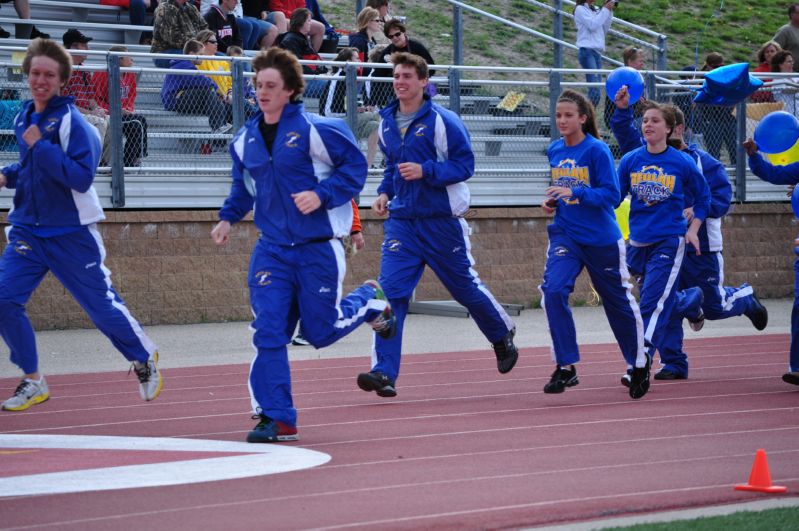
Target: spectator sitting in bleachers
{"type": "Point", "coordinates": [296, 41]}
{"type": "Point", "coordinates": [80, 87]}
{"type": "Point", "coordinates": [254, 34]}
{"type": "Point", "coordinates": [224, 84]}
{"type": "Point", "coordinates": [259, 10]}
{"type": "Point", "coordinates": [384, 9]}
{"type": "Point", "coordinates": [368, 23]}
{"type": "Point", "coordinates": [222, 21]}
{"type": "Point", "coordinates": [192, 94]}
{"type": "Point", "coordinates": [250, 105]}
{"type": "Point", "coordinates": [134, 126]}
{"type": "Point", "coordinates": [137, 9]}
{"type": "Point", "coordinates": [316, 30]}
{"type": "Point", "coordinates": [23, 9]}
{"type": "Point", "coordinates": [175, 23]}
{"type": "Point", "coordinates": [400, 42]}
{"type": "Point", "coordinates": [333, 101]}
{"type": "Point", "coordinates": [330, 41]}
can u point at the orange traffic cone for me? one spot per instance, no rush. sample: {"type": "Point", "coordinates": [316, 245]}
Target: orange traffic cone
{"type": "Point", "coordinates": [760, 478]}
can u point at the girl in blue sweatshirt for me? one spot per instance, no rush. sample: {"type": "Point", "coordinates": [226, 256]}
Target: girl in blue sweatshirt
{"type": "Point", "coordinates": [583, 193]}
{"type": "Point", "coordinates": [658, 177]}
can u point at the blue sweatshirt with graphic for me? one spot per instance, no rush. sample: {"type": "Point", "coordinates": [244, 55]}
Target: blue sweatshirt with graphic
{"type": "Point", "coordinates": [657, 183]}
{"type": "Point", "coordinates": [588, 169]}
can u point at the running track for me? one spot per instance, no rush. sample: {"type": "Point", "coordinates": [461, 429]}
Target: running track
{"type": "Point", "coordinates": [461, 447]}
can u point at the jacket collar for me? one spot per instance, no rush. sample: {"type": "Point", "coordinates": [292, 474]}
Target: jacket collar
{"type": "Point", "coordinates": [392, 108]}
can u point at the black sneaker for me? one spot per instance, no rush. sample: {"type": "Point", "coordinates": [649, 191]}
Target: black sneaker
{"type": "Point", "coordinates": [791, 378]}
{"type": "Point", "coordinates": [378, 382]}
{"type": "Point", "coordinates": [639, 379]}
{"type": "Point", "coordinates": [758, 315]}
{"type": "Point", "coordinates": [36, 34]}
{"type": "Point", "coordinates": [561, 379]}
{"type": "Point", "coordinates": [270, 431]}
{"type": "Point", "coordinates": [665, 374]}
{"type": "Point", "coordinates": [385, 324]}
{"type": "Point", "coordinates": [697, 324]}
{"type": "Point", "coordinates": [506, 352]}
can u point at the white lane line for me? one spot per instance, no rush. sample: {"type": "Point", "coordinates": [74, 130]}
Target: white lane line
{"type": "Point", "coordinates": [259, 460]}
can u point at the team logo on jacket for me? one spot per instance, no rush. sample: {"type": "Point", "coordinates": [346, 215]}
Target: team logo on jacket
{"type": "Point", "coordinates": [569, 175]}
{"type": "Point", "coordinates": [51, 124]}
{"type": "Point", "coordinates": [291, 139]}
{"type": "Point", "coordinates": [262, 278]}
{"type": "Point", "coordinates": [419, 130]}
{"type": "Point", "coordinates": [22, 247]}
{"type": "Point", "coordinates": [651, 184]}
{"type": "Point", "coordinates": [392, 245]}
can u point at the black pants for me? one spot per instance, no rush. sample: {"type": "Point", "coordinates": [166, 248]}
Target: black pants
{"type": "Point", "coordinates": [134, 129]}
{"type": "Point", "coordinates": [205, 101]}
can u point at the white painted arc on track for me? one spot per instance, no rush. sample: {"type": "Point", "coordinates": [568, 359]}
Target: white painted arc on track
{"type": "Point", "coordinates": [260, 460]}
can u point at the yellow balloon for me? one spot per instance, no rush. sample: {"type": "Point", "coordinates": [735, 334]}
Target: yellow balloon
{"type": "Point", "coordinates": [786, 157]}
{"type": "Point", "coordinates": [623, 218]}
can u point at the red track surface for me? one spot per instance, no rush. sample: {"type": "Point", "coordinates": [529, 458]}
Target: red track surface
{"type": "Point", "coordinates": [460, 447]}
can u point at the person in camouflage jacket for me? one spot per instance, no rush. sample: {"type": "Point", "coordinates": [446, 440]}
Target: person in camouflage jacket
{"type": "Point", "coordinates": [175, 22]}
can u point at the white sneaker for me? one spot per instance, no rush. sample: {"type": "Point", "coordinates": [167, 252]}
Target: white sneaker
{"type": "Point", "coordinates": [150, 379]}
{"type": "Point", "coordinates": [28, 393]}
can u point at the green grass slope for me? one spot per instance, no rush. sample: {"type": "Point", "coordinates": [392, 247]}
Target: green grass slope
{"type": "Point", "coordinates": [734, 28]}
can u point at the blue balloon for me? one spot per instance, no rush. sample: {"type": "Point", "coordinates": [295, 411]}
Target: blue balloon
{"type": "Point", "coordinates": [728, 85]}
{"type": "Point", "coordinates": [795, 201]}
{"type": "Point", "coordinates": [777, 132]}
{"type": "Point", "coordinates": [625, 76]}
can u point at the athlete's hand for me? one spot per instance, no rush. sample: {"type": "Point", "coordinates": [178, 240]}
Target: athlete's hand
{"type": "Point", "coordinates": [307, 201]}
{"type": "Point", "coordinates": [692, 236]}
{"type": "Point", "coordinates": [750, 146]}
{"type": "Point", "coordinates": [358, 240]}
{"type": "Point", "coordinates": [3, 180]}
{"type": "Point", "coordinates": [688, 214]}
{"type": "Point", "coordinates": [380, 206]}
{"type": "Point", "coordinates": [558, 192]}
{"type": "Point", "coordinates": [622, 97]}
{"type": "Point", "coordinates": [548, 206]}
{"type": "Point", "coordinates": [410, 171]}
{"type": "Point", "coordinates": [32, 135]}
{"type": "Point", "coordinates": [221, 233]}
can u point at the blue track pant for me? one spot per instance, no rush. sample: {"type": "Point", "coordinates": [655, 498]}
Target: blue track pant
{"type": "Point", "coordinates": [658, 268]}
{"type": "Point", "coordinates": [289, 283]}
{"type": "Point", "coordinates": [607, 268]}
{"type": "Point", "coordinates": [705, 272]}
{"type": "Point", "coordinates": [77, 261]}
{"type": "Point", "coordinates": [443, 245]}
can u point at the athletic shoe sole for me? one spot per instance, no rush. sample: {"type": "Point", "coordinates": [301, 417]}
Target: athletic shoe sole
{"type": "Point", "coordinates": [639, 380]}
{"type": "Point", "coordinates": [367, 382]}
{"type": "Point", "coordinates": [791, 378]}
{"type": "Point", "coordinates": [32, 402]}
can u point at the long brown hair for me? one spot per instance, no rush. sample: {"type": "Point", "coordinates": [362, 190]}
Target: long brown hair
{"type": "Point", "coordinates": [584, 108]}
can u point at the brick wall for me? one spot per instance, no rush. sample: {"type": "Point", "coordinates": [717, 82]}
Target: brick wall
{"type": "Point", "coordinates": [169, 272]}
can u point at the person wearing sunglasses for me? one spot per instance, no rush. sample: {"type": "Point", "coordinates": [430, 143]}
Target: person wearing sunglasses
{"type": "Point", "coordinates": [224, 83]}
{"type": "Point", "coordinates": [397, 34]}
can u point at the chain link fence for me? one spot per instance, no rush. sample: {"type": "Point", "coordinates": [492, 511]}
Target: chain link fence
{"type": "Point", "coordinates": [166, 143]}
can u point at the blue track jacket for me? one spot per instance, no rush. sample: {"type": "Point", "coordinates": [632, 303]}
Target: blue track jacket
{"type": "Point", "coordinates": [309, 153]}
{"type": "Point", "coordinates": [629, 138]}
{"type": "Point", "coordinates": [438, 140]}
{"type": "Point", "coordinates": [53, 178]}
{"type": "Point", "coordinates": [788, 174]}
